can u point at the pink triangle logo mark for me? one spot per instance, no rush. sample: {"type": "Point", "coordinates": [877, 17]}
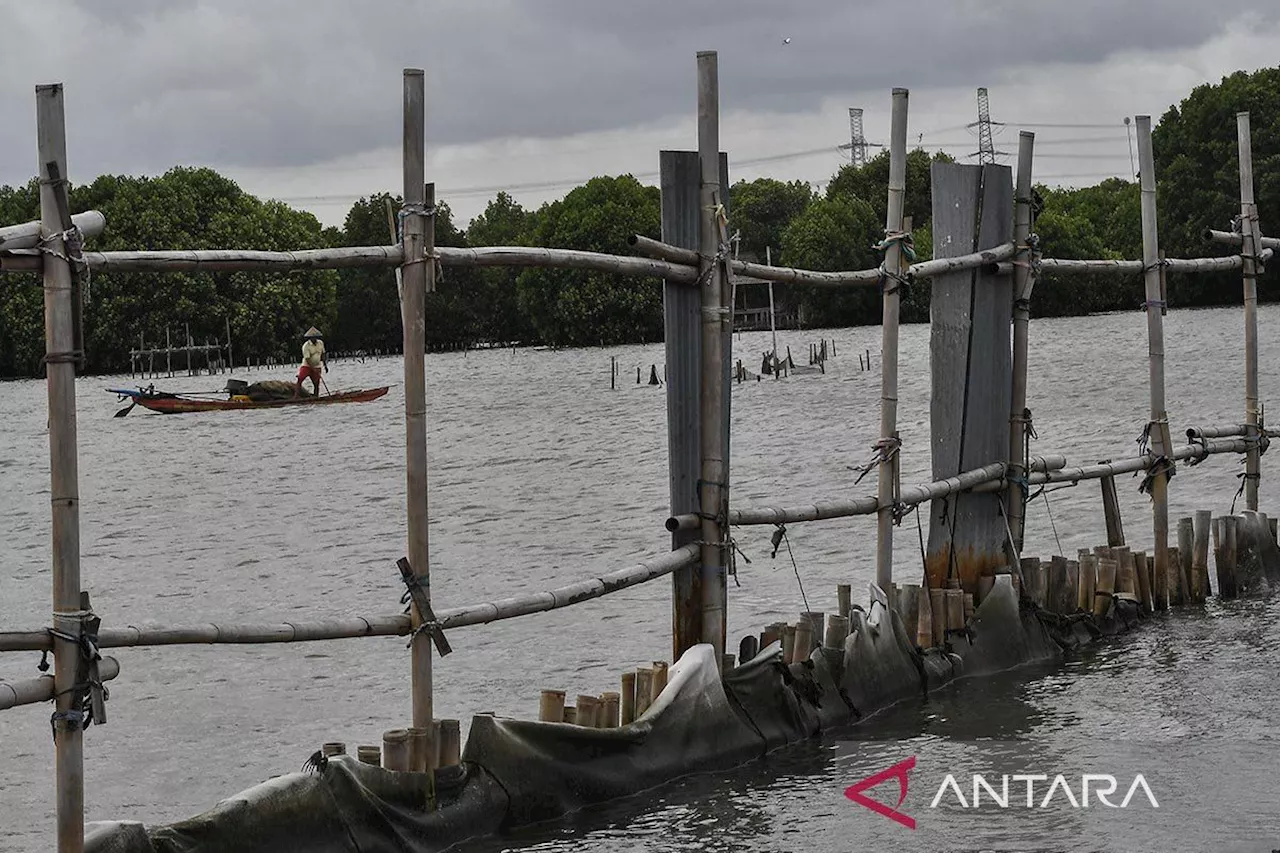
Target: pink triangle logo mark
{"type": "Point", "coordinates": [898, 771]}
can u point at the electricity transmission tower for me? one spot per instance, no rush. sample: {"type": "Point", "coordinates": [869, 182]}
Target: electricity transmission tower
{"type": "Point", "coordinates": [857, 142]}
{"type": "Point", "coordinates": [986, 146]}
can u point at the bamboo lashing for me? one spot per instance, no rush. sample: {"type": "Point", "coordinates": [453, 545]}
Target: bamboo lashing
{"type": "Point", "coordinates": [91, 223]}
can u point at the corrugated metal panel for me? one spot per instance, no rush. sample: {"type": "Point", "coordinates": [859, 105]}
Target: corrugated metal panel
{"type": "Point", "coordinates": [971, 368]}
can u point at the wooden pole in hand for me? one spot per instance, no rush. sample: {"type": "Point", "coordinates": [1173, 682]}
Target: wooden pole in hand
{"type": "Point", "coordinates": [1155, 344]}
{"type": "Point", "coordinates": [417, 273]}
{"type": "Point", "coordinates": [889, 340]}
{"type": "Point", "coordinates": [1023, 282]}
{"type": "Point", "coordinates": [711, 272]}
{"type": "Point", "coordinates": [64, 473]}
{"type": "Point", "coordinates": [1250, 268]}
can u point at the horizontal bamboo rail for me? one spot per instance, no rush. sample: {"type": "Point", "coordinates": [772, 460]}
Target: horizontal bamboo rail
{"type": "Point", "coordinates": [1139, 463]}
{"type": "Point", "coordinates": [527, 256]}
{"type": "Point", "coordinates": [27, 235]}
{"type": "Point", "coordinates": [867, 505]}
{"type": "Point", "coordinates": [378, 626]}
{"type": "Point", "coordinates": [790, 275]}
{"type": "Point", "coordinates": [1231, 238]}
{"type": "Point", "coordinates": [1080, 267]}
{"type": "Point", "coordinates": [31, 691]}
{"type": "Point", "coordinates": [1195, 433]}
{"type": "Point", "coordinates": [859, 506]}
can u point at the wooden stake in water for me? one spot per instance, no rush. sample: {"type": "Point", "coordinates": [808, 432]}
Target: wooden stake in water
{"type": "Point", "coordinates": [417, 275]}
{"type": "Point", "coordinates": [1250, 268]}
{"type": "Point", "coordinates": [1159, 423]}
{"type": "Point", "coordinates": [60, 369]}
{"type": "Point", "coordinates": [1200, 556]}
{"type": "Point", "coordinates": [887, 469]}
{"type": "Point", "coordinates": [1023, 283]}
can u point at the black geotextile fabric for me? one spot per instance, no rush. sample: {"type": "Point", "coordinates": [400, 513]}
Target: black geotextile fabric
{"type": "Point", "coordinates": [516, 772]}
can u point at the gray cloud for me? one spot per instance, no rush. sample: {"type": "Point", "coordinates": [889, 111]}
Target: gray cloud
{"type": "Point", "coordinates": [152, 83]}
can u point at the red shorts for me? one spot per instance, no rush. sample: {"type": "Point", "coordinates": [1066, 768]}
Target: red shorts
{"type": "Point", "coordinates": [306, 371]}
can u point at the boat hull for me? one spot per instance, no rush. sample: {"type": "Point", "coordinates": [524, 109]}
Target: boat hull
{"type": "Point", "coordinates": [184, 405]}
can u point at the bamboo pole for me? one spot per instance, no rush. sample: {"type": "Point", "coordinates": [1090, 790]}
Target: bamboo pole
{"type": "Point", "coordinates": [714, 470]}
{"type": "Point", "coordinates": [1231, 238]}
{"type": "Point", "coordinates": [1111, 511]}
{"type": "Point", "coordinates": [1068, 266]}
{"type": "Point", "coordinates": [1200, 555]}
{"type": "Point", "coordinates": [1023, 283]}
{"type": "Point", "coordinates": [773, 317]}
{"type": "Point", "coordinates": [1250, 269]}
{"type": "Point", "coordinates": [417, 275]}
{"type": "Point", "coordinates": [887, 469]}
{"type": "Point", "coordinates": [941, 266]}
{"type": "Point", "coordinates": [1196, 433]}
{"type": "Point", "coordinates": [27, 235]}
{"type": "Point", "coordinates": [63, 466]}
{"type": "Point", "coordinates": [1155, 343]}
{"type": "Point", "coordinates": [383, 626]}
{"type": "Point", "coordinates": [35, 690]}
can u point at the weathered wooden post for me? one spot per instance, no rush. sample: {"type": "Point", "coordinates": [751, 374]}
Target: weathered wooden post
{"type": "Point", "coordinates": [60, 360]}
{"type": "Point", "coordinates": [1111, 511]}
{"type": "Point", "coordinates": [971, 368]}
{"type": "Point", "coordinates": [1024, 280]}
{"type": "Point", "coordinates": [891, 281]}
{"type": "Point", "coordinates": [417, 274]}
{"type": "Point", "coordinates": [1250, 268]}
{"type": "Point", "coordinates": [1159, 423]}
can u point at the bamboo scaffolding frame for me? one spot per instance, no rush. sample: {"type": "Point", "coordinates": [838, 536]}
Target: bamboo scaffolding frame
{"type": "Point", "coordinates": [27, 235]}
{"type": "Point", "coordinates": [350, 627]}
{"type": "Point", "coordinates": [35, 690]}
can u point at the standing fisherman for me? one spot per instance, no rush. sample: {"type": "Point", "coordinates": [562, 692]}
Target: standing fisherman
{"type": "Point", "coordinates": [313, 361]}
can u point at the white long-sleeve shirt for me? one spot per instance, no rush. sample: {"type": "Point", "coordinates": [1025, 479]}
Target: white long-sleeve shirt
{"type": "Point", "coordinates": [313, 353]}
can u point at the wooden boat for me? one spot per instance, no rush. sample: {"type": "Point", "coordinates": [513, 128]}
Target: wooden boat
{"type": "Point", "coordinates": [172, 404]}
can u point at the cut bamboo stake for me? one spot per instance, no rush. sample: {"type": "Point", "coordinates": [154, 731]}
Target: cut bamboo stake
{"type": "Point", "coordinates": [910, 605]}
{"type": "Point", "coordinates": [968, 607]}
{"type": "Point", "coordinates": [1106, 586]}
{"type": "Point", "coordinates": [1126, 574]}
{"type": "Point", "coordinates": [887, 445]}
{"type": "Point", "coordinates": [586, 706]}
{"type": "Point", "coordinates": [1200, 556]}
{"type": "Point", "coordinates": [644, 690]}
{"type": "Point", "coordinates": [1061, 594]}
{"type": "Point", "coordinates": [571, 715]}
{"type": "Point", "coordinates": [422, 747]}
{"type": "Point", "coordinates": [938, 616]}
{"type": "Point", "coordinates": [609, 702]}
{"type": "Point", "coordinates": [924, 618]}
{"type": "Point", "coordinates": [1142, 568]}
{"type": "Point", "coordinates": [954, 603]}
{"type": "Point", "coordinates": [627, 701]}
{"type": "Point", "coordinates": [64, 474]}
{"type": "Point", "coordinates": [551, 706]}
{"type": "Point", "coordinates": [1088, 582]}
{"type": "Point", "coordinates": [1070, 593]}
{"type": "Point", "coordinates": [1159, 423]}
{"type": "Point", "coordinates": [803, 642]}
{"type": "Point", "coordinates": [333, 748]}
{"type": "Point", "coordinates": [713, 486]}
{"type": "Point", "coordinates": [417, 275]}
{"type": "Point", "coordinates": [1023, 283]}
{"type": "Point", "coordinates": [837, 632]}
{"type": "Point", "coordinates": [789, 644]}
{"type": "Point", "coordinates": [844, 599]}
{"type": "Point", "coordinates": [1250, 269]}
{"type": "Point", "coordinates": [369, 755]}
{"type": "Point", "coordinates": [450, 743]}
{"type": "Point", "coordinates": [1227, 571]}
{"type": "Point", "coordinates": [1186, 548]}
{"type": "Point", "coordinates": [395, 749]}
{"type": "Point", "coordinates": [1032, 577]}
{"type": "Point", "coordinates": [817, 624]}
{"type": "Point", "coordinates": [659, 682]}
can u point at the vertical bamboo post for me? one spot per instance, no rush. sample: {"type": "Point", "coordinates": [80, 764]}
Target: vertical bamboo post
{"type": "Point", "coordinates": [1228, 582]}
{"type": "Point", "coordinates": [1023, 282]}
{"type": "Point", "coordinates": [1105, 587]}
{"type": "Point", "coordinates": [1155, 344]}
{"type": "Point", "coordinates": [551, 706]}
{"type": "Point", "coordinates": [627, 701]}
{"type": "Point", "coordinates": [889, 340]}
{"type": "Point", "coordinates": [1249, 268]}
{"type": "Point", "coordinates": [1186, 546]}
{"type": "Point", "coordinates": [644, 690]}
{"type": "Point", "coordinates": [417, 273]}
{"type": "Point", "coordinates": [715, 474]}
{"type": "Point", "coordinates": [395, 749]}
{"type": "Point", "coordinates": [64, 470]}
{"type": "Point", "coordinates": [844, 599]}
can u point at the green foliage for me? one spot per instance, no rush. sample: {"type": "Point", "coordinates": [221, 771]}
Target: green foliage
{"type": "Point", "coordinates": [871, 184]}
{"type": "Point", "coordinates": [503, 223]}
{"type": "Point", "coordinates": [762, 209]}
{"type": "Point", "coordinates": [582, 307]}
{"type": "Point", "coordinates": [834, 233]}
{"type": "Point", "coordinates": [1197, 166]}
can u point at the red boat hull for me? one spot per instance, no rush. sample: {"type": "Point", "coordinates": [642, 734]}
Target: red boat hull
{"type": "Point", "coordinates": [181, 405]}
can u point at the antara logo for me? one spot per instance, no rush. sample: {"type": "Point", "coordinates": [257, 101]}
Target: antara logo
{"type": "Point", "coordinates": [1101, 786]}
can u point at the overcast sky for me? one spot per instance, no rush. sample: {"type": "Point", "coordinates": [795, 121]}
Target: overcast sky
{"type": "Point", "coordinates": [301, 100]}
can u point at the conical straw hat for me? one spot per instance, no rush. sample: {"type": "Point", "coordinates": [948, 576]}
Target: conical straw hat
{"type": "Point", "coordinates": [313, 332]}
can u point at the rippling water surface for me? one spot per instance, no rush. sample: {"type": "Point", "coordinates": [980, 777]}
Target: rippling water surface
{"type": "Point", "coordinates": [540, 474]}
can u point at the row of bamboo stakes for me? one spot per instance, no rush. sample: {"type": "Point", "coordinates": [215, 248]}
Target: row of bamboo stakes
{"type": "Point", "coordinates": [412, 749]}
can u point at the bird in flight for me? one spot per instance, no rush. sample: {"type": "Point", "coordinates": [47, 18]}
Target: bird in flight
{"type": "Point", "coordinates": [786, 41]}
